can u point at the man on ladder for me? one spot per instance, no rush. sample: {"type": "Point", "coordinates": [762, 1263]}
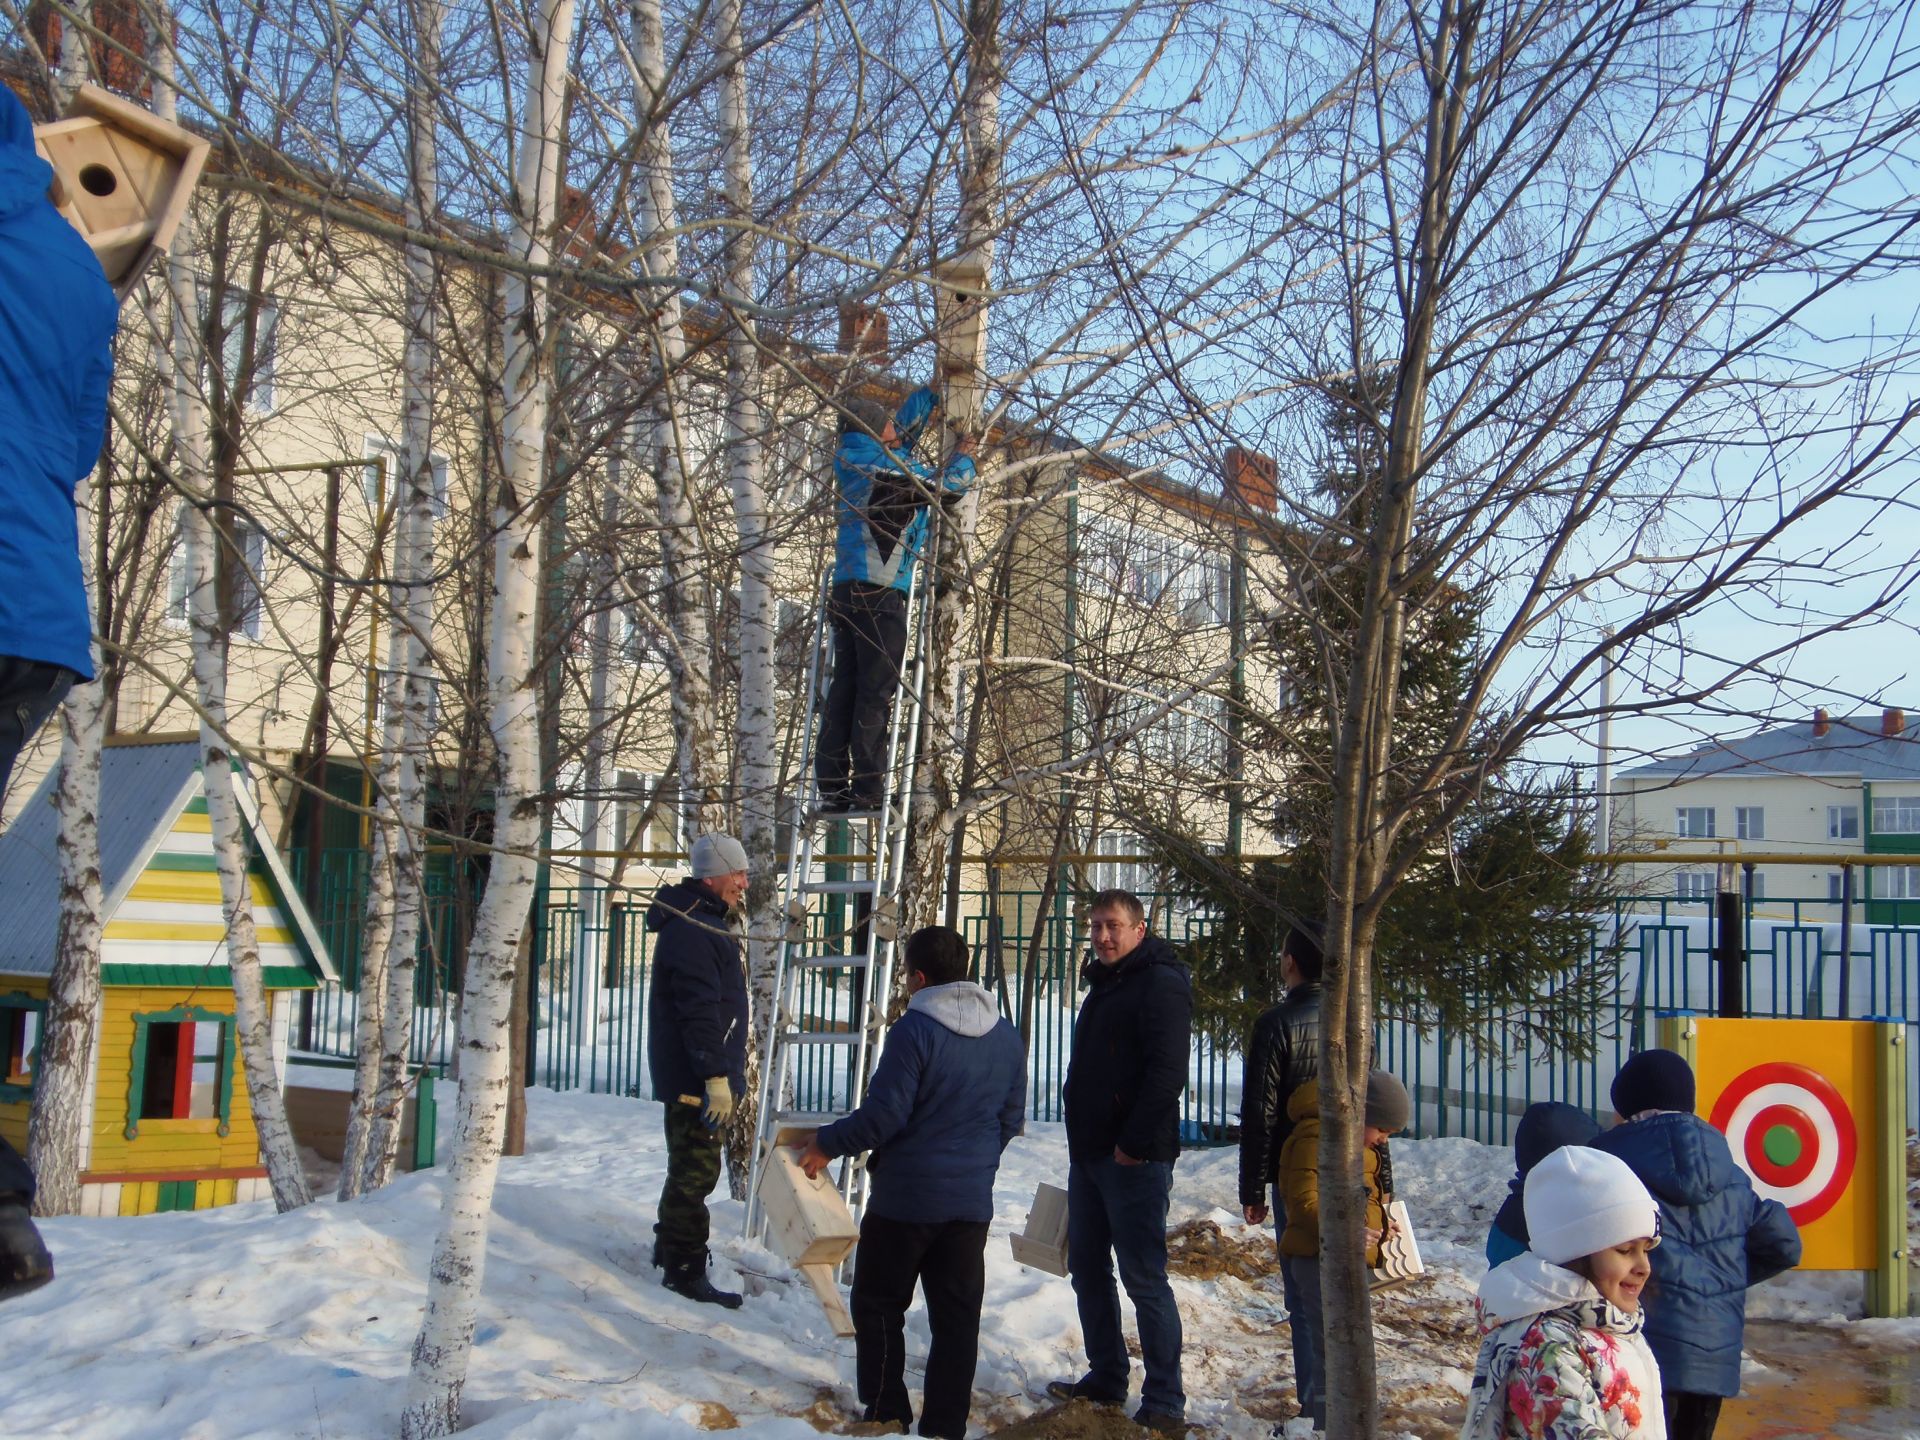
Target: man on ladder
{"type": "Point", "coordinates": [883, 526]}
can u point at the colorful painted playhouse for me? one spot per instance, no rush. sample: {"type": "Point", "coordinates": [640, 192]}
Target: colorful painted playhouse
{"type": "Point", "coordinates": [172, 1128]}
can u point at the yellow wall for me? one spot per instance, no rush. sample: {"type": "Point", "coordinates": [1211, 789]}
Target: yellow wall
{"type": "Point", "coordinates": [165, 1146]}
{"type": "Point", "coordinates": [13, 1117]}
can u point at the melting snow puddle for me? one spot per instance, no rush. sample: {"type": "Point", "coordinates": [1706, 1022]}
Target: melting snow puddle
{"type": "Point", "coordinates": [1825, 1383]}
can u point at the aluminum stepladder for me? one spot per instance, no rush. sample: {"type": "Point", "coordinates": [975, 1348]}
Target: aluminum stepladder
{"type": "Point", "coordinates": [863, 953]}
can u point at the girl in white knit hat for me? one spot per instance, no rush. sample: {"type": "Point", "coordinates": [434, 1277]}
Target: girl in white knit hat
{"type": "Point", "coordinates": [1562, 1357]}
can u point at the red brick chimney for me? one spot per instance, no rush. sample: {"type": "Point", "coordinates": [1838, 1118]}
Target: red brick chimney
{"type": "Point", "coordinates": [863, 329]}
{"type": "Point", "coordinates": [118, 59]}
{"type": "Point", "coordinates": [1893, 721]}
{"type": "Point", "coordinates": [1253, 479]}
{"type": "Point", "coordinates": [1821, 723]}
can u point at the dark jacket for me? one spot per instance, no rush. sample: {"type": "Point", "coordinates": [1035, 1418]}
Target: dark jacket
{"type": "Point", "coordinates": [57, 318]}
{"type": "Point", "coordinates": [697, 1009]}
{"type": "Point", "coordinates": [1547, 1125]}
{"type": "Point", "coordinates": [1130, 1050]}
{"type": "Point", "coordinates": [1716, 1238]}
{"type": "Point", "coordinates": [1283, 1055]}
{"type": "Point", "coordinates": [948, 1094]}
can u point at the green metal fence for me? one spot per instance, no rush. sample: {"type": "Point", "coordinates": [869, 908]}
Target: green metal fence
{"type": "Point", "coordinates": [592, 959]}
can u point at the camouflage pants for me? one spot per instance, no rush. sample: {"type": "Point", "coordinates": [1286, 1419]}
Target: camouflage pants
{"type": "Point", "coordinates": [693, 1169]}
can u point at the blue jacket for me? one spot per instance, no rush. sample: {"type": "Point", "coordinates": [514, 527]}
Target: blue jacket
{"type": "Point", "coordinates": [57, 318]}
{"type": "Point", "coordinates": [883, 498]}
{"type": "Point", "coordinates": [948, 1094]}
{"type": "Point", "coordinates": [1131, 1044]}
{"type": "Point", "coordinates": [697, 1004]}
{"type": "Point", "coordinates": [1716, 1238]}
{"type": "Point", "coordinates": [1546, 1126]}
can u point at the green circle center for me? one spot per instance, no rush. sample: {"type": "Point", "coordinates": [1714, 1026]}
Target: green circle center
{"type": "Point", "coordinates": [1781, 1145]}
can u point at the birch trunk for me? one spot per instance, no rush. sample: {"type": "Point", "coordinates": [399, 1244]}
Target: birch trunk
{"type": "Point", "coordinates": [232, 842]}
{"type": "Point", "coordinates": [663, 443]}
{"type": "Point", "coordinates": [936, 789]}
{"type": "Point", "coordinates": [75, 69]}
{"type": "Point", "coordinates": [441, 1351]}
{"type": "Point", "coordinates": [404, 787]}
{"type": "Point", "coordinates": [756, 755]}
{"type": "Point", "coordinates": [57, 1124]}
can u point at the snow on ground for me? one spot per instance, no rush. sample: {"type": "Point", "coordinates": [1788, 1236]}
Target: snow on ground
{"type": "Point", "coordinates": [239, 1323]}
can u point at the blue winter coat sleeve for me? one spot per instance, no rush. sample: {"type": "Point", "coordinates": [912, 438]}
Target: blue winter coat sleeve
{"type": "Point", "coordinates": [1501, 1247]}
{"type": "Point", "coordinates": [1166, 1045]}
{"type": "Point", "coordinates": [889, 1100]}
{"type": "Point", "coordinates": [1013, 1110]}
{"type": "Point", "coordinates": [1773, 1241]}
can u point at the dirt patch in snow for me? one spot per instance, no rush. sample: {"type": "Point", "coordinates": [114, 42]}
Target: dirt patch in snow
{"type": "Point", "coordinates": [1076, 1420]}
{"type": "Point", "coordinates": [1201, 1250]}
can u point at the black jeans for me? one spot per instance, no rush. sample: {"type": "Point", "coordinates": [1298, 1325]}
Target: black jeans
{"type": "Point", "coordinates": [30, 691]}
{"type": "Point", "coordinates": [1689, 1416]}
{"type": "Point", "coordinates": [949, 1260]}
{"type": "Point", "coordinates": [869, 641]}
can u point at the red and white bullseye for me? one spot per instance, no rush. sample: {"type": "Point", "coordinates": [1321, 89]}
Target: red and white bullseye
{"type": "Point", "coordinates": [1791, 1130]}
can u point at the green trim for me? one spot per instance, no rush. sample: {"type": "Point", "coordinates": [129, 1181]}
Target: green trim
{"type": "Point", "coordinates": [196, 806]}
{"type": "Point", "coordinates": [174, 860]}
{"type": "Point", "coordinates": [190, 977]}
{"type": "Point", "coordinates": [179, 1015]}
{"type": "Point", "coordinates": [21, 1000]}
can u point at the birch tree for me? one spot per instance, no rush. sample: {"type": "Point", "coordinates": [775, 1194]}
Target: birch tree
{"type": "Point", "coordinates": [440, 1353]}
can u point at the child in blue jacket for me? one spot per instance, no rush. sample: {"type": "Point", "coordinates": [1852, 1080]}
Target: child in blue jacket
{"type": "Point", "coordinates": [1717, 1238]}
{"type": "Point", "coordinates": [1547, 1125]}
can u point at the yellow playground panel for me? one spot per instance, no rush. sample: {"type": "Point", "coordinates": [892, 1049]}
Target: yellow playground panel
{"type": "Point", "coordinates": [1816, 1113]}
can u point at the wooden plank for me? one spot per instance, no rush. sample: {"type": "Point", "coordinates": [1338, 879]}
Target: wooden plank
{"type": "Point", "coordinates": [820, 1277]}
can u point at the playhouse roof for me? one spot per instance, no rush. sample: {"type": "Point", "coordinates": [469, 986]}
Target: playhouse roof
{"type": "Point", "coordinates": [145, 786]}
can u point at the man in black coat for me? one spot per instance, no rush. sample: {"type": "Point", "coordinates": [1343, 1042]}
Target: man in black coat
{"type": "Point", "coordinates": [1283, 1055]}
{"type": "Point", "coordinates": [697, 1050]}
{"type": "Point", "coordinates": [1131, 1045]}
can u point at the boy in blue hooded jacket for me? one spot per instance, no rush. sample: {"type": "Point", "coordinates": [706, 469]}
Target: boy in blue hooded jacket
{"type": "Point", "coordinates": [1546, 1127]}
{"type": "Point", "coordinates": [1717, 1238]}
{"type": "Point", "coordinates": [883, 527]}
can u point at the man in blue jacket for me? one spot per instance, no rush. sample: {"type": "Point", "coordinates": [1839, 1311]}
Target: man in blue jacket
{"type": "Point", "coordinates": [696, 1050]}
{"type": "Point", "coordinates": [1131, 1045]}
{"type": "Point", "coordinates": [1716, 1238]}
{"type": "Point", "coordinates": [948, 1094]}
{"type": "Point", "coordinates": [883, 526]}
{"type": "Point", "coordinates": [57, 318]}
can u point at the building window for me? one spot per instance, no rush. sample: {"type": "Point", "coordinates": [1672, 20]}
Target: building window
{"type": "Point", "coordinates": [1693, 822]}
{"type": "Point", "coordinates": [1693, 884]}
{"type": "Point", "coordinates": [250, 548]}
{"type": "Point", "coordinates": [1896, 815]}
{"type": "Point", "coordinates": [256, 386]}
{"type": "Point", "coordinates": [1749, 822]}
{"type": "Point", "coordinates": [384, 455]}
{"type": "Point", "coordinates": [385, 678]}
{"type": "Point", "coordinates": [1843, 822]}
{"type": "Point", "coordinates": [1899, 882]}
{"type": "Point", "coordinates": [1834, 883]}
{"type": "Point", "coordinates": [182, 1068]}
{"type": "Point", "coordinates": [646, 815]}
{"type": "Point", "coordinates": [1119, 874]}
{"type": "Point", "coordinates": [21, 1017]}
{"type": "Point", "coordinates": [1759, 881]}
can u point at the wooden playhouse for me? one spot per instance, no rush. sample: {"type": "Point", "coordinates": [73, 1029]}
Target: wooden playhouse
{"type": "Point", "coordinates": [172, 1128]}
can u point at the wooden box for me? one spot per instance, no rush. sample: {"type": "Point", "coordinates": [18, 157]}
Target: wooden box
{"type": "Point", "coordinates": [122, 177]}
{"type": "Point", "coordinates": [1044, 1244]}
{"type": "Point", "coordinates": [807, 1221]}
{"type": "Point", "coordinates": [960, 317]}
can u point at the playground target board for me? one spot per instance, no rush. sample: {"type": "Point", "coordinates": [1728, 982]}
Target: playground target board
{"type": "Point", "coordinates": [1799, 1102]}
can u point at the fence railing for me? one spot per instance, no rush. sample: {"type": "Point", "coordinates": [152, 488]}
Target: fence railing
{"type": "Point", "coordinates": [592, 960]}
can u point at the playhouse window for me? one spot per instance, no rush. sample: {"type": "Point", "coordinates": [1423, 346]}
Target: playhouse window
{"type": "Point", "coordinates": [19, 1043]}
{"type": "Point", "coordinates": [182, 1075]}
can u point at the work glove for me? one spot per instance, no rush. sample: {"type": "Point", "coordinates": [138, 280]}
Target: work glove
{"type": "Point", "coordinates": [717, 1108]}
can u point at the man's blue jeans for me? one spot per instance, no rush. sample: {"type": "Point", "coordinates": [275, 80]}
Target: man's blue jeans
{"type": "Point", "coordinates": [1118, 1213]}
{"type": "Point", "coordinates": [1306, 1319]}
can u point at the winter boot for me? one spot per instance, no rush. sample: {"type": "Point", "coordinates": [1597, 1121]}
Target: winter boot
{"type": "Point", "coordinates": [24, 1262]}
{"type": "Point", "coordinates": [689, 1278]}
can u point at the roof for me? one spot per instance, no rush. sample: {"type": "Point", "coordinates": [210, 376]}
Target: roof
{"type": "Point", "coordinates": [143, 789]}
{"type": "Point", "coordinates": [1852, 747]}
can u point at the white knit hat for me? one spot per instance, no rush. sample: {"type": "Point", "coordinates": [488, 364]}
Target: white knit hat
{"type": "Point", "coordinates": [1580, 1201]}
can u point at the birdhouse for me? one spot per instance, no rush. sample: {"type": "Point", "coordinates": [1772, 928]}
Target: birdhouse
{"type": "Point", "coordinates": [1044, 1245]}
{"type": "Point", "coordinates": [960, 316]}
{"type": "Point", "coordinates": [807, 1223]}
{"type": "Point", "coordinates": [122, 177]}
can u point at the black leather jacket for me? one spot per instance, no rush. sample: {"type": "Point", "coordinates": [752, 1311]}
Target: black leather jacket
{"type": "Point", "coordinates": [1283, 1055]}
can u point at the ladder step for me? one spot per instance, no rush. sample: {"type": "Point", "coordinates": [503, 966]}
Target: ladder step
{"type": "Point", "coordinates": [829, 962]}
{"type": "Point", "coordinates": [807, 1119]}
{"type": "Point", "coordinates": [819, 1037]}
{"type": "Point", "coordinates": [839, 887]}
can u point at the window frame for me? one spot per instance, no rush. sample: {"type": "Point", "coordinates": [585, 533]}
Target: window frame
{"type": "Point", "coordinates": [35, 1005]}
{"type": "Point", "coordinates": [1744, 828]}
{"type": "Point", "coordinates": [1837, 817]}
{"type": "Point", "coordinates": [1685, 888]}
{"type": "Point", "coordinates": [1681, 830]}
{"type": "Point", "coordinates": [143, 1021]}
{"type": "Point", "coordinates": [1895, 804]}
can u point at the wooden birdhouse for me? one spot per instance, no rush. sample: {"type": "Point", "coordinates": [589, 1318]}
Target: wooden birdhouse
{"type": "Point", "coordinates": [122, 177]}
{"type": "Point", "coordinates": [1044, 1245]}
{"type": "Point", "coordinates": [808, 1224]}
{"type": "Point", "coordinates": [960, 317]}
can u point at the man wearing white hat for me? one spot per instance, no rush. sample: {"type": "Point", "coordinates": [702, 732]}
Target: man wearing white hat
{"type": "Point", "coordinates": [697, 1050]}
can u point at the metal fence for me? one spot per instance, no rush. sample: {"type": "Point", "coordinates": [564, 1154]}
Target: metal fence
{"type": "Point", "coordinates": [592, 957]}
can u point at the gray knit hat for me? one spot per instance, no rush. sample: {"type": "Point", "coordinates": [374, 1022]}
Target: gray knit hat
{"type": "Point", "coordinates": [717, 854]}
{"type": "Point", "coordinates": [868, 417]}
{"type": "Point", "coordinates": [1389, 1107]}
